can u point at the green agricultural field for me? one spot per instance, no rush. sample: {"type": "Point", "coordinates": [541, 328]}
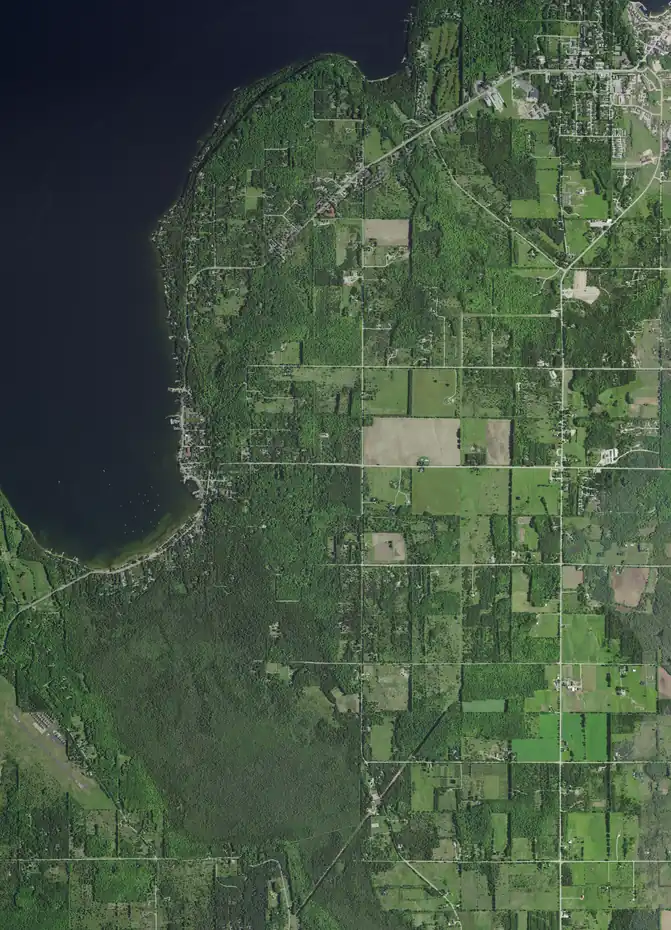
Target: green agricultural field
{"type": "Point", "coordinates": [545, 206]}
{"type": "Point", "coordinates": [579, 238]}
{"type": "Point", "coordinates": [586, 836]}
{"type": "Point", "coordinates": [386, 391]}
{"type": "Point", "coordinates": [529, 261]}
{"type": "Point", "coordinates": [253, 198]}
{"type": "Point", "coordinates": [436, 491]}
{"type": "Point", "coordinates": [615, 689]}
{"type": "Point", "coordinates": [348, 243]}
{"type": "Point", "coordinates": [535, 492]}
{"type": "Point", "coordinates": [373, 145]}
{"type": "Point", "coordinates": [452, 491]}
{"type": "Point", "coordinates": [27, 581]}
{"type": "Point", "coordinates": [381, 738]}
{"type": "Point", "coordinates": [388, 485]}
{"type": "Point", "coordinates": [547, 180]}
{"type": "Point", "coordinates": [541, 745]}
{"type": "Point", "coordinates": [584, 638]}
{"type": "Point", "coordinates": [435, 393]}
{"type": "Point", "coordinates": [584, 737]}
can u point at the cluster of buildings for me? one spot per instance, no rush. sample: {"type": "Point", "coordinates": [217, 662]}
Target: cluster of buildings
{"type": "Point", "coordinates": [573, 52]}
{"type": "Point", "coordinates": [191, 426]}
{"type": "Point", "coordinates": [44, 724]}
{"type": "Point", "coordinates": [327, 203]}
{"type": "Point", "coordinates": [569, 683]}
{"type": "Point", "coordinates": [654, 31]}
{"type": "Point", "coordinates": [493, 98]}
{"type": "Point", "coordinates": [631, 90]}
{"type": "Point", "coordinates": [530, 106]}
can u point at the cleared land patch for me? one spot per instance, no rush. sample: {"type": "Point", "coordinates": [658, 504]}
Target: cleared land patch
{"type": "Point", "coordinates": [402, 441]}
{"type": "Point", "coordinates": [460, 491]}
{"type": "Point", "coordinates": [435, 392]}
{"type": "Point", "coordinates": [572, 577]}
{"type": "Point", "coordinates": [663, 686]}
{"type": "Point", "coordinates": [498, 442]}
{"type": "Point", "coordinates": [386, 548]}
{"type": "Point", "coordinates": [581, 290]}
{"type": "Point", "coordinates": [388, 232]}
{"type": "Point", "coordinates": [628, 585]}
{"type": "Point", "coordinates": [386, 686]}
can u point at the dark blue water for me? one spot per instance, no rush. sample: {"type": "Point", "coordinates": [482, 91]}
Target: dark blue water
{"type": "Point", "coordinates": [656, 6]}
{"type": "Point", "coordinates": [103, 106]}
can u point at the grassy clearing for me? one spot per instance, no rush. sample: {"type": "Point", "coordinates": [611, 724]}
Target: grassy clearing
{"type": "Point", "coordinates": [529, 260]}
{"type": "Point", "coordinates": [435, 393]}
{"type": "Point", "coordinates": [422, 789]}
{"type": "Point", "coordinates": [485, 491]}
{"type": "Point", "coordinates": [584, 737]}
{"type": "Point", "coordinates": [381, 737]}
{"type": "Point", "coordinates": [578, 237]}
{"type": "Point", "coordinates": [386, 391]}
{"type": "Point", "coordinates": [436, 491]}
{"type": "Point", "coordinates": [325, 376]}
{"type": "Point", "coordinates": [338, 144]}
{"type": "Point", "coordinates": [348, 243]}
{"type": "Point", "coordinates": [594, 207]}
{"type": "Point", "coordinates": [640, 138]}
{"type": "Point", "coordinates": [587, 836]}
{"type": "Point", "coordinates": [475, 539]}
{"type": "Point", "coordinates": [27, 581]}
{"type": "Point", "coordinates": [253, 197]}
{"type": "Point", "coordinates": [385, 485]}
{"type": "Point", "coordinates": [543, 208]}
{"type": "Point", "coordinates": [373, 145]}
{"type": "Point", "coordinates": [460, 491]}
{"type": "Point", "coordinates": [473, 437]}
{"type": "Point", "coordinates": [580, 200]}
{"type": "Point", "coordinates": [547, 163]}
{"type": "Point", "coordinates": [534, 493]}
{"type": "Point", "coordinates": [548, 181]}
{"type": "Point", "coordinates": [443, 67]}
{"type": "Point", "coordinates": [543, 747]}
{"type": "Point", "coordinates": [584, 639]}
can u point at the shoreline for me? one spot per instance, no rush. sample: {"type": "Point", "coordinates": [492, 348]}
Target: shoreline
{"type": "Point", "coordinates": [166, 241]}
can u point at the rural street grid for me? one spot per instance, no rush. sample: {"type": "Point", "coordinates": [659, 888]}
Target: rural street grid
{"type": "Point", "coordinates": [561, 468]}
